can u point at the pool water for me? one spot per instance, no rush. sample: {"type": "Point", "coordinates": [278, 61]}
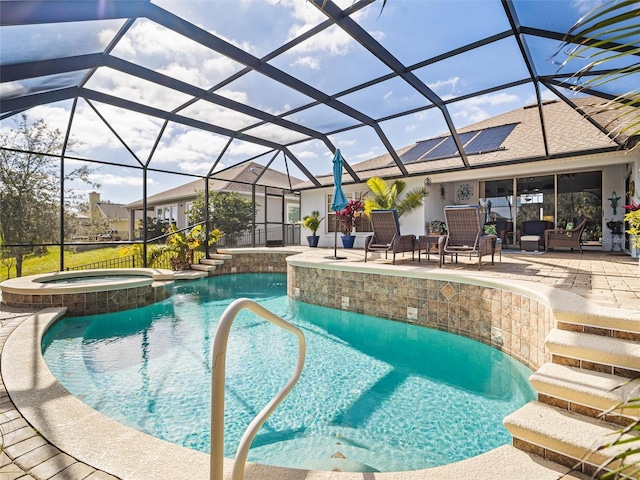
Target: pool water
{"type": "Point", "coordinates": [82, 280]}
{"type": "Point", "coordinates": [375, 395]}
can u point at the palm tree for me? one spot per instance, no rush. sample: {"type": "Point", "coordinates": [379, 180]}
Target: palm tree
{"type": "Point", "coordinates": [614, 21]}
{"type": "Point", "coordinates": [387, 196]}
{"type": "Point", "coordinates": [607, 36]}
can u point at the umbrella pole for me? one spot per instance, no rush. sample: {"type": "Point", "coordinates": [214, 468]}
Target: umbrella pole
{"type": "Point", "coordinates": [335, 240]}
{"type": "Point", "coordinates": [335, 235]}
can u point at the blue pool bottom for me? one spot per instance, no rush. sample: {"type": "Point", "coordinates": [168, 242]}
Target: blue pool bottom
{"type": "Point", "coordinates": [375, 395]}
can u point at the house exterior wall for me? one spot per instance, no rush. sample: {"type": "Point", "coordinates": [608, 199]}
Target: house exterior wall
{"type": "Point", "coordinates": [612, 181]}
{"type": "Point", "coordinates": [444, 187]}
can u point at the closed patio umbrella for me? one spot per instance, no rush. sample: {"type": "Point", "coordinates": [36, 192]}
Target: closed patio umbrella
{"type": "Point", "coordinates": [339, 200]}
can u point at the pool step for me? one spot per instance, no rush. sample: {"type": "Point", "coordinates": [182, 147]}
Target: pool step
{"type": "Point", "coordinates": [619, 323]}
{"type": "Point", "coordinates": [220, 256]}
{"type": "Point", "coordinates": [189, 275]}
{"type": "Point", "coordinates": [211, 261]}
{"type": "Point", "coordinates": [594, 352]}
{"type": "Point", "coordinates": [585, 391]}
{"type": "Point", "coordinates": [564, 437]}
{"type": "Point", "coordinates": [202, 267]}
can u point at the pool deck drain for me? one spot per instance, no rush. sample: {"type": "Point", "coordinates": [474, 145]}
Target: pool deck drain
{"type": "Point", "coordinates": [603, 279]}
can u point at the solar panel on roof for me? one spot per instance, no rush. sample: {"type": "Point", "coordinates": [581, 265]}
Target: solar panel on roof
{"type": "Point", "coordinates": [448, 147]}
{"type": "Point", "coordinates": [420, 149]}
{"type": "Point", "coordinates": [489, 139]}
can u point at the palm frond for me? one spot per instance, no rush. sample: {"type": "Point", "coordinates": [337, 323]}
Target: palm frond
{"type": "Point", "coordinates": [607, 35]}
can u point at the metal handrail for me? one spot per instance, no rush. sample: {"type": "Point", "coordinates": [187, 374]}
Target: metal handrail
{"type": "Point", "coordinates": [217, 387]}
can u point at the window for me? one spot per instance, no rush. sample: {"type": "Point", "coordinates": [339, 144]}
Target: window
{"type": "Point", "coordinates": [580, 196]}
{"type": "Point", "coordinates": [168, 214]}
{"type": "Point", "coordinates": [363, 224]}
{"type": "Point", "coordinates": [293, 213]}
{"type": "Point", "coordinates": [535, 198]}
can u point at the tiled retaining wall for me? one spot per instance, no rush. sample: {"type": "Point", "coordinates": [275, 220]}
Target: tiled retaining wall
{"type": "Point", "coordinates": [253, 261]}
{"type": "Point", "coordinates": [511, 322]}
{"type": "Point", "coordinates": [91, 303]}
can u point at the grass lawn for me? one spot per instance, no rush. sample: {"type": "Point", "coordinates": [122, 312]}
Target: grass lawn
{"type": "Point", "coordinates": [51, 261]}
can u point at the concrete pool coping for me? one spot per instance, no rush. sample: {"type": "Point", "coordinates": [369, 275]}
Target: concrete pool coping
{"type": "Point", "coordinates": [119, 450]}
{"type": "Point", "coordinates": [45, 283]}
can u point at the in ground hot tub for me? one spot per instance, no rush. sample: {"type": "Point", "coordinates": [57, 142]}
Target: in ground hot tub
{"type": "Point", "coordinates": [89, 292]}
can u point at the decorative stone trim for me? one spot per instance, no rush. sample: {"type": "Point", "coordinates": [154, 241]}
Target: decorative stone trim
{"type": "Point", "coordinates": [512, 322]}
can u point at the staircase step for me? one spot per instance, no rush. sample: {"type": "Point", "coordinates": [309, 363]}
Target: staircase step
{"type": "Point", "coordinates": [616, 320]}
{"type": "Point", "coordinates": [594, 348]}
{"type": "Point", "coordinates": [189, 275]}
{"type": "Point", "coordinates": [203, 268]}
{"type": "Point", "coordinates": [220, 256]}
{"type": "Point", "coordinates": [566, 433]}
{"type": "Point", "coordinates": [211, 261]}
{"type": "Point", "coordinates": [596, 390]}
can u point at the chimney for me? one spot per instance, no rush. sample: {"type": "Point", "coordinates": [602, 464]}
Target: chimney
{"type": "Point", "coordinates": [94, 199]}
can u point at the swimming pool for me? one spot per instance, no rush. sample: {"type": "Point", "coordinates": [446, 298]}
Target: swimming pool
{"type": "Point", "coordinates": [375, 394]}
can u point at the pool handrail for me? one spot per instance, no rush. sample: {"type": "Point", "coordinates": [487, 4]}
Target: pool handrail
{"type": "Point", "coordinates": [217, 387]}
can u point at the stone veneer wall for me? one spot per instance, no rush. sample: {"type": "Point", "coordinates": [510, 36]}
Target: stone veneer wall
{"type": "Point", "coordinates": [253, 261]}
{"type": "Point", "coordinates": [91, 303]}
{"type": "Point", "coordinates": [511, 322]}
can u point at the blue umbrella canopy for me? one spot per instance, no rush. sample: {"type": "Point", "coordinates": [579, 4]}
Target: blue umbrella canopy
{"type": "Point", "coordinates": [339, 200]}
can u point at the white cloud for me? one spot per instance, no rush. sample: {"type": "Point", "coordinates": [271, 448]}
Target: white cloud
{"type": "Point", "coordinates": [387, 95]}
{"type": "Point", "coordinates": [585, 6]}
{"type": "Point", "coordinates": [451, 83]}
{"type": "Point", "coordinates": [347, 143]}
{"type": "Point", "coordinates": [476, 109]}
{"type": "Point", "coordinates": [119, 180]}
{"type": "Point", "coordinates": [190, 146]}
{"type": "Point", "coordinates": [309, 62]}
{"type": "Point", "coordinates": [493, 99]}
{"type": "Point", "coordinates": [545, 94]}
{"type": "Point", "coordinates": [307, 154]}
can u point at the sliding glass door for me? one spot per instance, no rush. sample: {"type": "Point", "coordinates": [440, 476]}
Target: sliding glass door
{"type": "Point", "coordinates": [563, 200]}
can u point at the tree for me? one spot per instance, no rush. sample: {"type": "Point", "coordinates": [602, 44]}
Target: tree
{"type": "Point", "coordinates": [30, 187]}
{"type": "Point", "coordinates": [387, 196]}
{"type": "Point", "coordinates": [228, 212]}
{"type": "Point", "coordinates": [155, 228]}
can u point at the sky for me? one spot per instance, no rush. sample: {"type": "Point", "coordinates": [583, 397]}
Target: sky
{"type": "Point", "coordinates": [331, 61]}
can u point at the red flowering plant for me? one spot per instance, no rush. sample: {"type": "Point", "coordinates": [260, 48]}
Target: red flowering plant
{"type": "Point", "coordinates": [632, 207]}
{"type": "Point", "coordinates": [349, 214]}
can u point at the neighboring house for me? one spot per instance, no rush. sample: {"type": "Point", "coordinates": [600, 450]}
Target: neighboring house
{"type": "Point", "coordinates": [114, 215]}
{"type": "Point", "coordinates": [102, 221]}
{"type": "Point", "coordinates": [510, 174]}
{"type": "Point", "coordinates": [276, 203]}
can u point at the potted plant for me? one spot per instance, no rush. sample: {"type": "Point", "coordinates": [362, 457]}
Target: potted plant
{"type": "Point", "coordinates": [489, 230]}
{"type": "Point", "coordinates": [615, 226]}
{"type": "Point", "coordinates": [312, 222]}
{"type": "Point", "coordinates": [436, 227]}
{"type": "Point", "coordinates": [348, 216]}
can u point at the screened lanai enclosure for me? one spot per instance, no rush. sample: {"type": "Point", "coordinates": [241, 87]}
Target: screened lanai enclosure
{"type": "Point", "coordinates": [158, 105]}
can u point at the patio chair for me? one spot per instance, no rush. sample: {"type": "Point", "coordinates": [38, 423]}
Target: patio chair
{"type": "Point", "coordinates": [560, 237]}
{"type": "Point", "coordinates": [386, 235]}
{"type": "Point", "coordinates": [534, 228]}
{"type": "Point", "coordinates": [465, 234]}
